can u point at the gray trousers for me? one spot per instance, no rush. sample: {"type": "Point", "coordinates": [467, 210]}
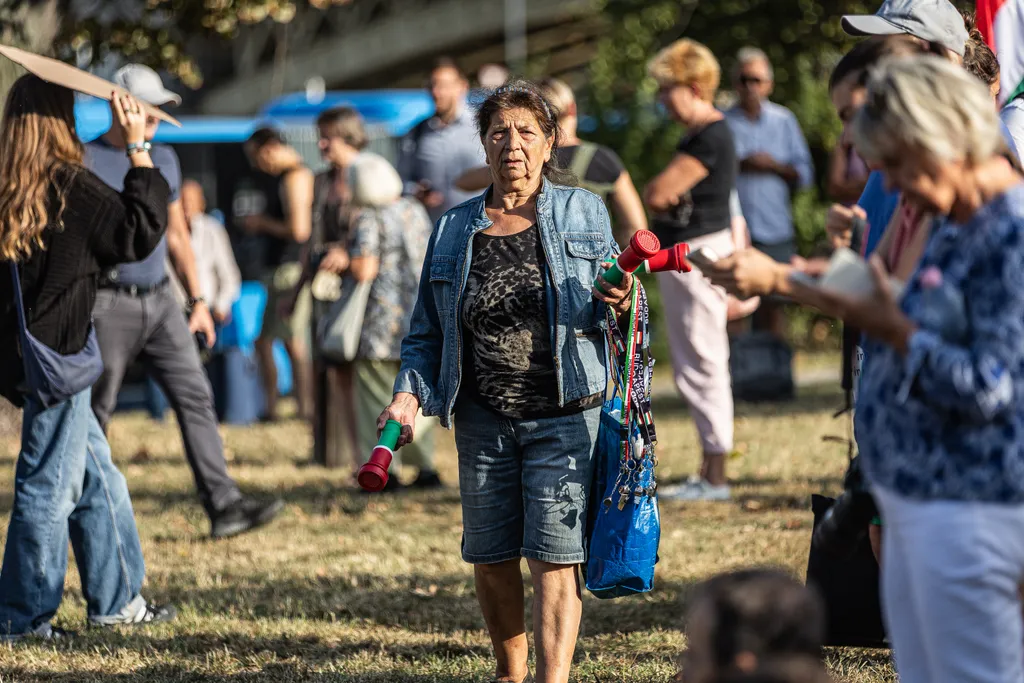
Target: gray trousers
{"type": "Point", "coordinates": [153, 329]}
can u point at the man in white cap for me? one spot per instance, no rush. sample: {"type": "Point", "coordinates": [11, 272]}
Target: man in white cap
{"type": "Point", "coordinates": [137, 316]}
{"type": "Point", "coordinates": [933, 21]}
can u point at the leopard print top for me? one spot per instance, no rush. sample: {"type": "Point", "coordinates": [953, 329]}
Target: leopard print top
{"type": "Point", "coordinates": [509, 361]}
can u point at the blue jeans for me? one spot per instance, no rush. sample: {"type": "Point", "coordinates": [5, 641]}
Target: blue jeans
{"type": "Point", "coordinates": [67, 487]}
{"type": "Point", "coordinates": [524, 484]}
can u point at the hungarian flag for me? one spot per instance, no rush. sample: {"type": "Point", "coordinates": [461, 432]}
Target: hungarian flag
{"type": "Point", "coordinates": [1002, 24]}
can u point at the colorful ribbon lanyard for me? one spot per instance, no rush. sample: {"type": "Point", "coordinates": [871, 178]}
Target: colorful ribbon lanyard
{"type": "Point", "coordinates": [631, 353]}
{"type": "Point", "coordinates": [632, 377]}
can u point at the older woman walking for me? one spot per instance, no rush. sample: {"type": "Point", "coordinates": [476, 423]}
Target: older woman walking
{"type": "Point", "coordinates": [508, 339]}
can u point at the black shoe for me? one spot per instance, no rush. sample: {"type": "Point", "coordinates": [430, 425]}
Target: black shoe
{"type": "Point", "coordinates": [147, 616]}
{"type": "Point", "coordinates": [427, 480]}
{"type": "Point", "coordinates": [243, 515]}
{"type": "Point", "coordinates": [46, 632]}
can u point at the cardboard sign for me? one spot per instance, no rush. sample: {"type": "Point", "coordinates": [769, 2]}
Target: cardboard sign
{"type": "Point", "coordinates": [59, 73]}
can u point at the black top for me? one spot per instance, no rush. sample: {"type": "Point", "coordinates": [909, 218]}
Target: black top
{"type": "Point", "coordinates": [604, 168]}
{"type": "Point", "coordinates": [101, 228]}
{"type": "Point", "coordinates": [509, 361]}
{"type": "Point", "coordinates": [705, 208]}
{"type": "Point", "coordinates": [279, 250]}
{"type": "Point", "coordinates": [332, 213]}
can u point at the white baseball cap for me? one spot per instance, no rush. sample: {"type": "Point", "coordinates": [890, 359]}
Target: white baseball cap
{"type": "Point", "coordinates": [936, 21]}
{"type": "Point", "coordinates": [145, 84]}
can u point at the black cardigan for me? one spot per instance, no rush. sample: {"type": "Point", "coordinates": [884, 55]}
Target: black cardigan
{"type": "Point", "coordinates": [101, 228]}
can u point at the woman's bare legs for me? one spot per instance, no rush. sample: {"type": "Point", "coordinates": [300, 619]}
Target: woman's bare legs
{"type": "Point", "coordinates": [499, 590]}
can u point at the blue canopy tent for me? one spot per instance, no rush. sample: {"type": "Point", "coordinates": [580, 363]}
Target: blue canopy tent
{"type": "Point", "coordinates": [390, 112]}
{"type": "Point", "coordinates": [210, 151]}
{"type": "Point", "coordinates": [387, 113]}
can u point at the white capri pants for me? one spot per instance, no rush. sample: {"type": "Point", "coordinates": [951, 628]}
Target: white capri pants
{"type": "Point", "coordinates": [696, 318]}
{"type": "Point", "coordinates": [950, 577]}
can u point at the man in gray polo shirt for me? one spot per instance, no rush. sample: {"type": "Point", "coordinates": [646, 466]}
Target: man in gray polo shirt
{"type": "Point", "coordinates": [443, 147]}
{"type": "Point", "coordinates": [137, 316]}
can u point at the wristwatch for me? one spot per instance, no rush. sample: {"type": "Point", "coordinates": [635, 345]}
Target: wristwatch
{"type": "Point", "coordinates": [136, 147]}
{"type": "Point", "coordinates": [194, 301]}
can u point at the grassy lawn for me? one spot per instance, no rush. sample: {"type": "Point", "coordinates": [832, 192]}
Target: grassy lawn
{"type": "Point", "coordinates": [348, 587]}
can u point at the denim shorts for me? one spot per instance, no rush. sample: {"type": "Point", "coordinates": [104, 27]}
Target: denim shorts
{"type": "Point", "coordinates": [524, 484]}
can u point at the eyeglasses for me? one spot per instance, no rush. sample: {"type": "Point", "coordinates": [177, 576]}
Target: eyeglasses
{"type": "Point", "coordinates": [751, 80]}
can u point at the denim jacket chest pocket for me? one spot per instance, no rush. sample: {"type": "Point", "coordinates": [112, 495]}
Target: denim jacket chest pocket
{"type": "Point", "coordinates": [584, 254]}
{"type": "Point", "coordinates": [442, 277]}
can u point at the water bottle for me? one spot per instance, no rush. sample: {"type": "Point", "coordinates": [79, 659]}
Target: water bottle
{"type": "Point", "coordinates": [942, 309]}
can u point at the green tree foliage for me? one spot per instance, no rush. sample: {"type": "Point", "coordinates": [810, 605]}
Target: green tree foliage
{"type": "Point", "coordinates": [803, 38]}
{"type": "Point", "coordinates": [156, 32]}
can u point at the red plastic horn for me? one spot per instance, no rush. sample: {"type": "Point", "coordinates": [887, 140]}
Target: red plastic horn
{"type": "Point", "coordinates": [373, 476]}
{"type": "Point", "coordinates": [643, 245]}
{"type": "Point", "coordinates": [673, 258]}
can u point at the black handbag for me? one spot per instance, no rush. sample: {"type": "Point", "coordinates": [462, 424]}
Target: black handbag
{"type": "Point", "coordinates": [850, 589]}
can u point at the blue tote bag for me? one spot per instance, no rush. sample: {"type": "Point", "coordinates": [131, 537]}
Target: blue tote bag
{"type": "Point", "coordinates": [624, 524]}
{"type": "Point", "coordinates": [52, 377]}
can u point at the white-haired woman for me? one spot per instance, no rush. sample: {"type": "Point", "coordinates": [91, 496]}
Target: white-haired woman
{"type": "Point", "coordinates": [387, 243]}
{"type": "Point", "coordinates": [939, 424]}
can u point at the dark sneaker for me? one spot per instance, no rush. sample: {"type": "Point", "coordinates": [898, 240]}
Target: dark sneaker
{"type": "Point", "coordinates": [244, 515]}
{"type": "Point", "coordinates": [44, 632]}
{"type": "Point", "coordinates": [427, 480]}
{"type": "Point", "coordinates": [145, 615]}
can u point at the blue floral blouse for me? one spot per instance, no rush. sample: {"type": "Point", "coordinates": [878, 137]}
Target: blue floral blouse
{"type": "Point", "coordinates": [942, 422]}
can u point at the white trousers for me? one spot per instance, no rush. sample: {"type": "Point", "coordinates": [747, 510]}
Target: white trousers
{"type": "Point", "coordinates": [696, 315]}
{"type": "Point", "coordinates": [950, 577]}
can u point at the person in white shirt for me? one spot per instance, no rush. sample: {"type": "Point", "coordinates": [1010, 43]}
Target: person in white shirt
{"type": "Point", "coordinates": [219, 278]}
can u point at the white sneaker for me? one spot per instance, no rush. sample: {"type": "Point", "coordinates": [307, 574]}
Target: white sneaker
{"type": "Point", "coordinates": [697, 490]}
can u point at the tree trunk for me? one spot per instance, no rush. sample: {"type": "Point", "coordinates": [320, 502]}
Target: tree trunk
{"type": "Point", "coordinates": [31, 25]}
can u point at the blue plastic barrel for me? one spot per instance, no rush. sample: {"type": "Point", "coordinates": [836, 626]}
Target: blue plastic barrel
{"type": "Point", "coordinates": [235, 377]}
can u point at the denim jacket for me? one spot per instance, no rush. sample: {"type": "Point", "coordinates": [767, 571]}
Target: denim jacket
{"type": "Point", "coordinates": [576, 236]}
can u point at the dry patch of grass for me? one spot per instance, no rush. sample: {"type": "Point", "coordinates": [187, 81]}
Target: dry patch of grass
{"type": "Point", "coordinates": [352, 588]}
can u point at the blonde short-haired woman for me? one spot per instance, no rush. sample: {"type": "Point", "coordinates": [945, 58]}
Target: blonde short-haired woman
{"type": "Point", "coordinates": [690, 203]}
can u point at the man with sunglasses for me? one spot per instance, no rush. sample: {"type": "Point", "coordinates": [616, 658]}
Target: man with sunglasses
{"type": "Point", "coordinates": [774, 163]}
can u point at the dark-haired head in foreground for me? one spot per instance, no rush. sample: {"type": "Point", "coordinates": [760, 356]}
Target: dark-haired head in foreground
{"type": "Point", "coordinates": [738, 621]}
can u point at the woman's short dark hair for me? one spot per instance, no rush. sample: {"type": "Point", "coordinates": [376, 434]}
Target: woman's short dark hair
{"type": "Point", "coordinates": [263, 136]}
{"type": "Point", "coordinates": [761, 611]}
{"type": "Point", "coordinates": [346, 123]}
{"type": "Point", "coordinates": [867, 53]}
{"type": "Point", "coordinates": [525, 95]}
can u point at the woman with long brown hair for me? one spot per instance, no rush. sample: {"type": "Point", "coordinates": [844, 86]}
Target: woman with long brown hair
{"type": "Point", "coordinates": [59, 225]}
